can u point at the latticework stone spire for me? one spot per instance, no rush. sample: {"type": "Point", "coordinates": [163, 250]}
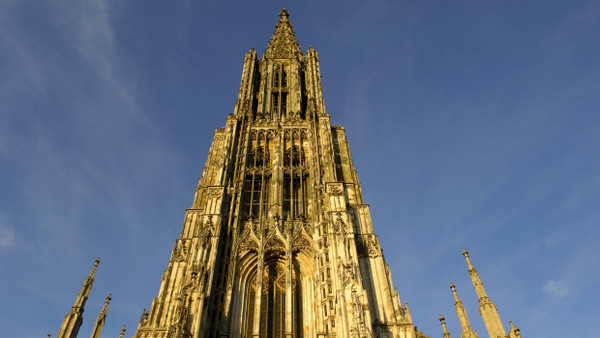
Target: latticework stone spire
{"type": "Point", "coordinates": [283, 44]}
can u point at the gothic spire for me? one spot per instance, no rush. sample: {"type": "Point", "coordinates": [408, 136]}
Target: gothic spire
{"type": "Point", "coordinates": [462, 315]}
{"type": "Point", "coordinates": [122, 332]}
{"type": "Point", "coordinates": [446, 333]}
{"type": "Point", "coordinates": [487, 309]}
{"type": "Point", "coordinates": [72, 322]}
{"type": "Point", "coordinates": [101, 319]}
{"type": "Point", "coordinates": [283, 44]}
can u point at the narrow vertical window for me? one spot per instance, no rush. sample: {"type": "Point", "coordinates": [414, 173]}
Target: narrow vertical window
{"type": "Point", "coordinates": [283, 78]}
{"type": "Point", "coordinates": [283, 103]}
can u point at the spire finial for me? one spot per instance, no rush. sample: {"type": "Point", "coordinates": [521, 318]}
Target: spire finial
{"type": "Point", "coordinates": [466, 254]}
{"type": "Point", "coordinates": [283, 44]}
{"type": "Point", "coordinates": [284, 15]}
{"type": "Point", "coordinates": [122, 332]}
{"type": "Point", "coordinates": [456, 299]}
{"type": "Point", "coordinates": [514, 331]}
{"type": "Point", "coordinates": [93, 272]}
{"type": "Point", "coordinates": [108, 298]}
{"type": "Point", "coordinates": [442, 320]}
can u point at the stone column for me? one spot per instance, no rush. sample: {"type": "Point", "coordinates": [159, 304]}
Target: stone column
{"type": "Point", "coordinates": [258, 295]}
{"type": "Point", "coordinates": [288, 294]}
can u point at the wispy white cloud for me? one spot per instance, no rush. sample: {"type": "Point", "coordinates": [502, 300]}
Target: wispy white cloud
{"type": "Point", "coordinates": [7, 235]}
{"type": "Point", "coordinates": [555, 289]}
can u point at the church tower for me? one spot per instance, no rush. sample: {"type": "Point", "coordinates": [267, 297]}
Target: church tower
{"type": "Point", "coordinates": [278, 241]}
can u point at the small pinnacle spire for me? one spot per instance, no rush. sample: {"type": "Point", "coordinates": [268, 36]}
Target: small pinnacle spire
{"type": "Point", "coordinates": [93, 272]}
{"type": "Point", "coordinates": [72, 322]}
{"type": "Point", "coordinates": [466, 254]}
{"type": "Point", "coordinates": [446, 333]}
{"type": "Point", "coordinates": [462, 315]}
{"type": "Point", "coordinates": [122, 332]}
{"type": "Point", "coordinates": [514, 331]}
{"type": "Point", "coordinates": [487, 309]}
{"type": "Point", "coordinates": [101, 318]}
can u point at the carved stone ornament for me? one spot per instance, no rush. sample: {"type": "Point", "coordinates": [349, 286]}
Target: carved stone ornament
{"type": "Point", "coordinates": [275, 246]}
{"type": "Point", "coordinates": [367, 246]}
{"type": "Point", "coordinates": [301, 243]}
{"type": "Point", "coordinates": [335, 189]}
{"type": "Point", "coordinates": [339, 226]}
{"type": "Point", "coordinates": [248, 243]}
{"type": "Point", "coordinates": [215, 192]}
{"type": "Point", "coordinates": [347, 273]}
{"type": "Point", "coordinates": [180, 252]}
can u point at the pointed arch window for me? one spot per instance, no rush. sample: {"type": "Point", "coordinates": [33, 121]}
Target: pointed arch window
{"type": "Point", "coordinates": [273, 303]}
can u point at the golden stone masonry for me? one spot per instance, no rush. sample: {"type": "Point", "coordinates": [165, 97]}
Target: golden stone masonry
{"type": "Point", "coordinates": [278, 241]}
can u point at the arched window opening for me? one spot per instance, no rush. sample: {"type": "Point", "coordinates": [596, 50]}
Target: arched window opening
{"type": "Point", "coordinates": [273, 302]}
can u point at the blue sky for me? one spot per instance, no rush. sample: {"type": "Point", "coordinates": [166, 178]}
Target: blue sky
{"type": "Point", "coordinates": [472, 124]}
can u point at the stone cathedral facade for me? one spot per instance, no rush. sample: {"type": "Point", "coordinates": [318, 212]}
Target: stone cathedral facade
{"type": "Point", "coordinates": [278, 241]}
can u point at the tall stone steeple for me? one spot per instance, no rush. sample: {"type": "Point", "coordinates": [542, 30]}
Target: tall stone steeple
{"type": "Point", "coordinates": [279, 241]}
{"type": "Point", "coordinates": [72, 322]}
{"type": "Point", "coordinates": [101, 319]}
{"type": "Point", "coordinates": [467, 331]}
{"type": "Point", "coordinates": [487, 309]}
{"type": "Point", "coordinates": [443, 321]}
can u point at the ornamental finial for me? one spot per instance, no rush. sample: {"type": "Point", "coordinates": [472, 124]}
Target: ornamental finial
{"type": "Point", "coordinates": [96, 262]}
{"type": "Point", "coordinates": [446, 333]}
{"type": "Point", "coordinates": [284, 15]}
{"type": "Point", "coordinates": [466, 254]}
